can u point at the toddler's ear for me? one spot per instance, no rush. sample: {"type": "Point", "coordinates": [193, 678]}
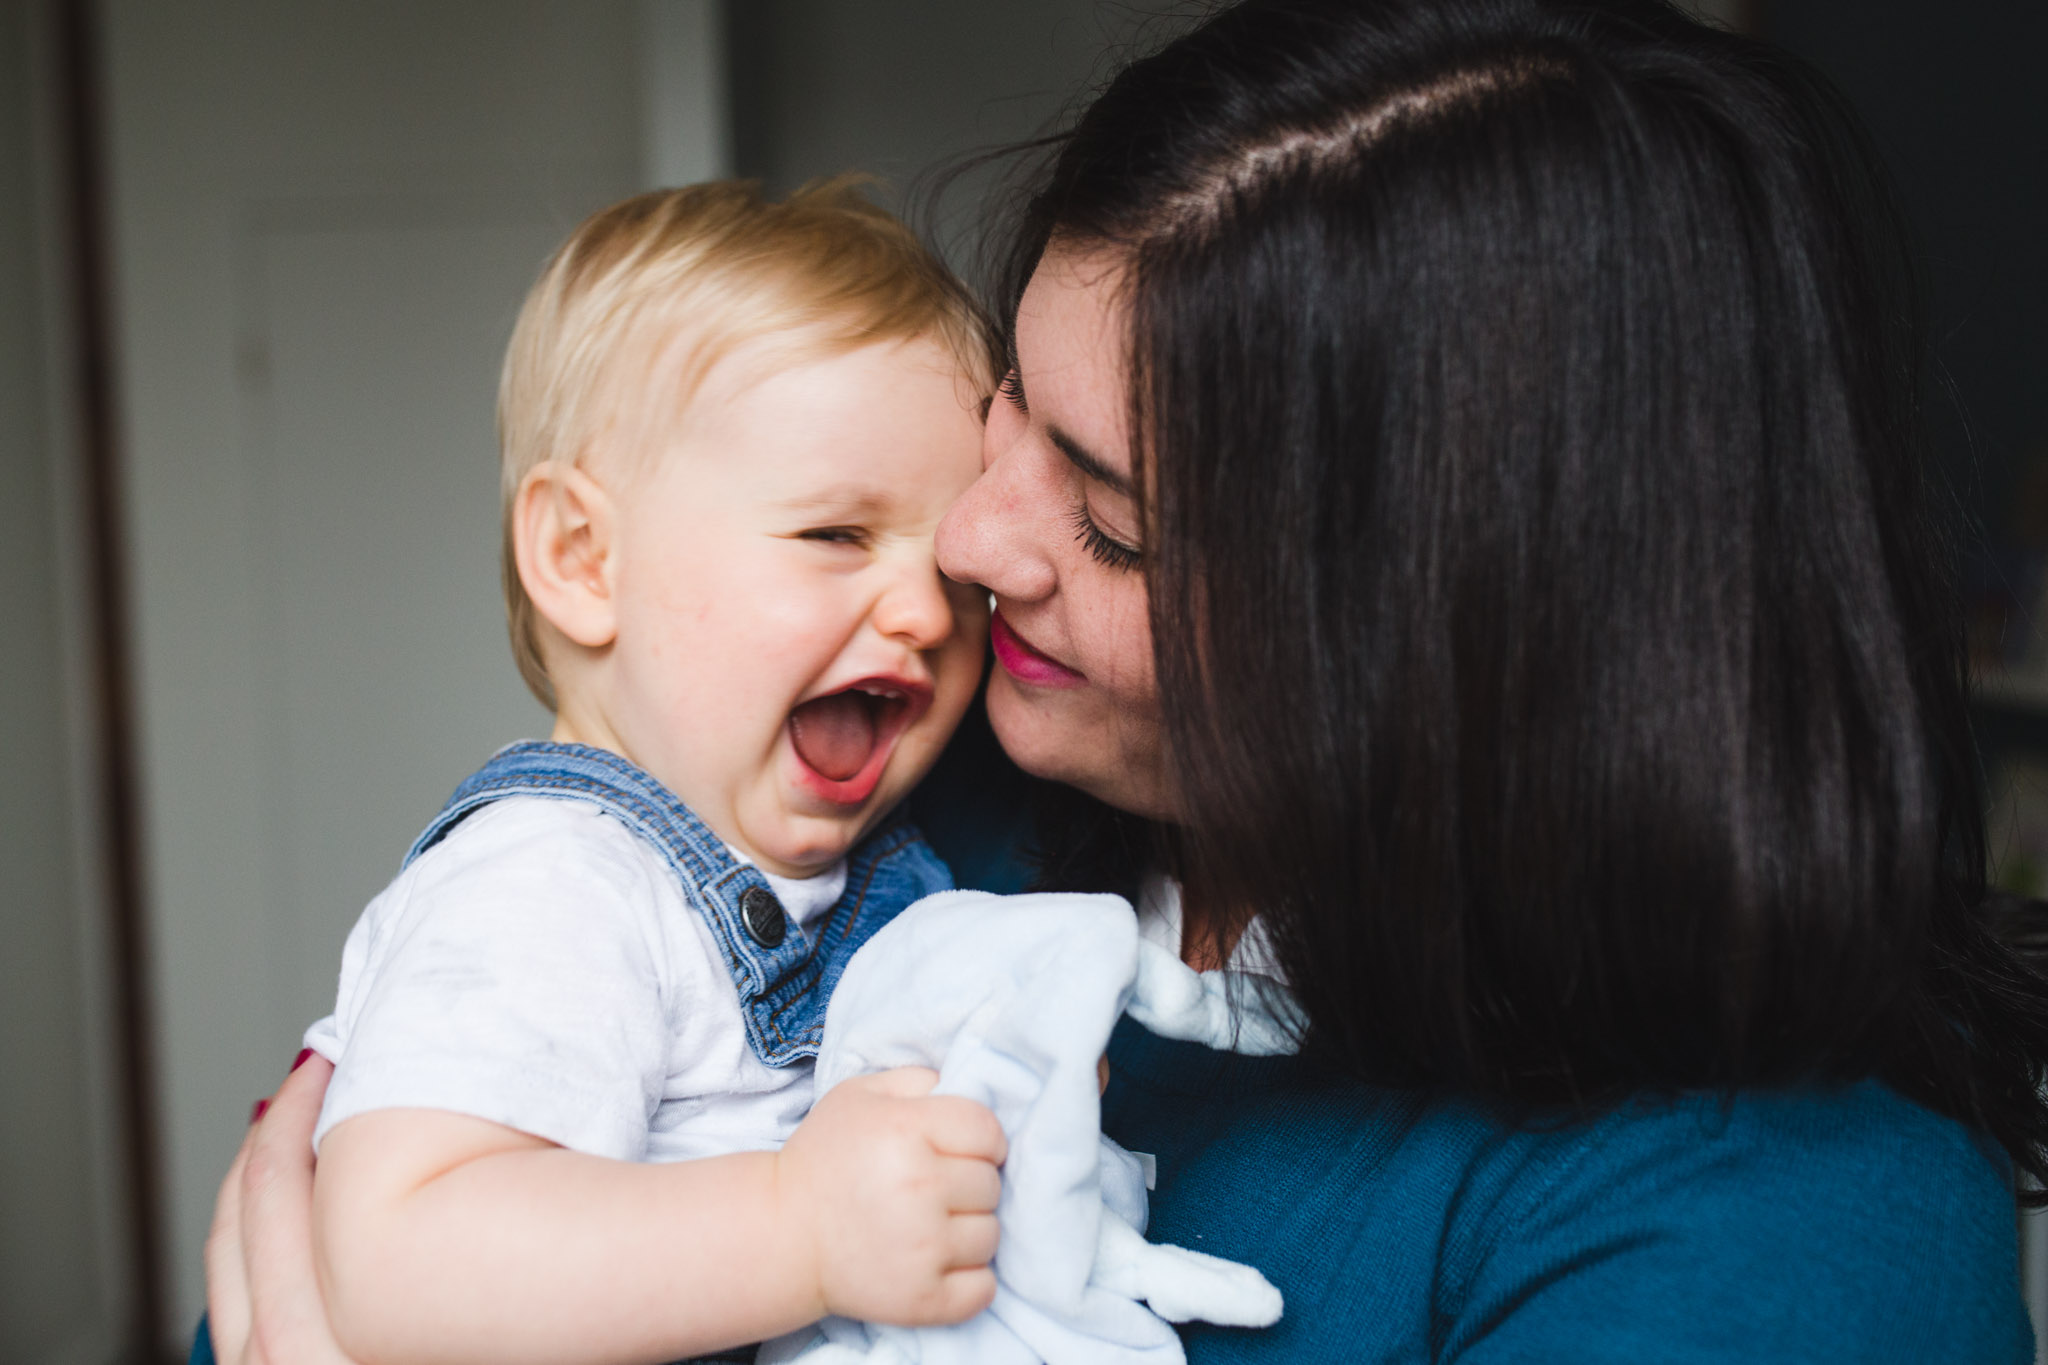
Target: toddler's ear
{"type": "Point", "coordinates": [562, 537]}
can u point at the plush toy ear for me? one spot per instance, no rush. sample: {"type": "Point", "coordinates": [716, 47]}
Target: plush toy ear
{"type": "Point", "coordinates": [563, 529]}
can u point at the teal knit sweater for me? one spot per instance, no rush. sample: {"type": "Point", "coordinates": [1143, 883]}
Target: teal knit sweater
{"type": "Point", "coordinates": [1811, 1225]}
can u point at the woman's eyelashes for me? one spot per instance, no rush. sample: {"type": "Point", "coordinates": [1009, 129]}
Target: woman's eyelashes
{"type": "Point", "coordinates": [1011, 388]}
{"type": "Point", "coordinates": [1106, 549]}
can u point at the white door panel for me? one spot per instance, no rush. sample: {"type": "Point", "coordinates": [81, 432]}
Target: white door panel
{"type": "Point", "coordinates": [388, 678]}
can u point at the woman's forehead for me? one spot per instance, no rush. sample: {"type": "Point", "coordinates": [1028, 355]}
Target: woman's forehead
{"type": "Point", "coordinates": [1071, 343]}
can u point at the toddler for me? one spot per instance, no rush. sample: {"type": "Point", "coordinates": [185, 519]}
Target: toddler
{"type": "Point", "coordinates": [574, 1038]}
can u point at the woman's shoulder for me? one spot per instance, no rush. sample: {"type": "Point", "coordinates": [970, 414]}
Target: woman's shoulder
{"type": "Point", "coordinates": [1829, 1223]}
{"type": "Point", "coordinates": [1853, 1150]}
{"type": "Point", "coordinates": [1812, 1224]}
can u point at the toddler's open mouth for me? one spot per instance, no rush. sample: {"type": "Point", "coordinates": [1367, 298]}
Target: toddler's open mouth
{"type": "Point", "coordinates": [843, 739]}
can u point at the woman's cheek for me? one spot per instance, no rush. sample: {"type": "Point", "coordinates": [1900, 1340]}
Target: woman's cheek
{"type": "Point", "coordinates": [1126, 636]}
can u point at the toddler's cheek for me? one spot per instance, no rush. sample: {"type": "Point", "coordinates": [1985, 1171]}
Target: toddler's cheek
{"type": "Point", "coordinates": [969, 602]}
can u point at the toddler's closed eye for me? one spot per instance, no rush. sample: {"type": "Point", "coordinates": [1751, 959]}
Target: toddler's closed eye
{"type": "Point", "coordinates": [835, 535]}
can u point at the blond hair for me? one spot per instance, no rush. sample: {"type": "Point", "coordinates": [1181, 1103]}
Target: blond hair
{"type": "Point", "coordinates": [674, 280]}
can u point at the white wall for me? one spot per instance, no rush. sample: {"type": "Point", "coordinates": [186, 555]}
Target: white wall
{"type": "Point", "coordinates": [685, 102]}
{"type": "Point", "coordinates": [324, 219]}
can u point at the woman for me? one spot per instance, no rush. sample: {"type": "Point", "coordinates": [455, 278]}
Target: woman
{"type": "Point", "coordinates": [1458, 508]}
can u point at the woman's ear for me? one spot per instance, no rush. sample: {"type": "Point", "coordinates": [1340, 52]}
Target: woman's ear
{"type": "Point", "coordinates": [563, 529]}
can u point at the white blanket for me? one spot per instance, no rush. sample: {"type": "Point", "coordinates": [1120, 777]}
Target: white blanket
{"type": "Point", "coordinates": [1012, 999]}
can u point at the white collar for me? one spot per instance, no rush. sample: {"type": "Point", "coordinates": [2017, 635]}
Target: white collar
{"type": "Point", "coordinates": [1159, 922]}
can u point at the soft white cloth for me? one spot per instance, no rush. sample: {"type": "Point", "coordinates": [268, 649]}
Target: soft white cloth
{"type": "Point", "coordinates": [541, 968]}
{"type": "Point", "coordinates": [1245, 1008]}
{"type": "Point", "coordinates": [1012, 999]}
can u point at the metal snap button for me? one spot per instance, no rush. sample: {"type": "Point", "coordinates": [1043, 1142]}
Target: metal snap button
{"type": "Point", "coordinates": [762, 914]}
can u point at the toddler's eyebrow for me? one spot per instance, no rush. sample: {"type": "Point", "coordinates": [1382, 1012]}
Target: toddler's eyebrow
{"type": "Point", "coordinates": [849, 499]}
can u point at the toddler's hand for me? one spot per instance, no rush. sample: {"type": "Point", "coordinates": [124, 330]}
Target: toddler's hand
{"type": "Point", "coordinates": [894, 1191]}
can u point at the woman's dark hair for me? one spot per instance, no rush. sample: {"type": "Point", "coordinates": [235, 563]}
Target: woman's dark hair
{"type": "Point", "coordinates": [1554, 625]}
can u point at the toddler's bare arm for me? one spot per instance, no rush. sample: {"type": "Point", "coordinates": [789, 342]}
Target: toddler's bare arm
{"type": "Point", "coordinates": [446, 1238]}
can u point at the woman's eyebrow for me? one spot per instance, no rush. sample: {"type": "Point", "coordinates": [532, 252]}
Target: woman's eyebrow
{"type": "Point", "coordinates": [1078, 456]}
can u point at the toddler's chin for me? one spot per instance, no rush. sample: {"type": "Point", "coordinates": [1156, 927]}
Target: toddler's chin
{"type": "Point", "coordinates": [799, 844]}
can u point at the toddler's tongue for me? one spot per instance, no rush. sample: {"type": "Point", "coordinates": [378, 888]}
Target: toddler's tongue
{"type": "Point", "coordinates": [834, 734]}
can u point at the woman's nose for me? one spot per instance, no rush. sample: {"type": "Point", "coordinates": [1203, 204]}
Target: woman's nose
{"type": "Point", "coordinates": [994, 533]}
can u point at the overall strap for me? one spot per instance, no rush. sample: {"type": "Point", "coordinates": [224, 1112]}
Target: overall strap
{"type": "Point", "coordinates": [781, 979]}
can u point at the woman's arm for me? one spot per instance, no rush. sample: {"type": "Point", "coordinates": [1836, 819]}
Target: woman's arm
{"type": "Point", "coordinates": [262, 1294]}
{"type": "Point", "coordinates": [442, 1237]}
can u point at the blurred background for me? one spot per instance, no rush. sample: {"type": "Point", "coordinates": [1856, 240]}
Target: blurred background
{"type": "Point", "coordinates": [257, 265]}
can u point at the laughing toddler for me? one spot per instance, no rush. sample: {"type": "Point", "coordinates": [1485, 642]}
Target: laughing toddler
{"type": "Point", "coordinates": [573, 1038]}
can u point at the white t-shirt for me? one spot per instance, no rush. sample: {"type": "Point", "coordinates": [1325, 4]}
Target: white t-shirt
{"type": "Point", "coordinates": [541, 968]}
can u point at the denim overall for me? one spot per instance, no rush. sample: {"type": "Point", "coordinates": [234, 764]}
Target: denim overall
{"type": "Point", "coordinates": [782, 980]}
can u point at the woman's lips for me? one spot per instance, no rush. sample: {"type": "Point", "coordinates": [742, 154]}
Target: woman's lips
{"type": "Point", "coordinates": [1025, 663]}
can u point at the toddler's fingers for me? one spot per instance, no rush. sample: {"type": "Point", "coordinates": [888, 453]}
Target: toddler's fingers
{"type": "Point", "coordinates": [903, 1082]}
{"type": "Point", "coordinates": [960, 1127]}
{"type": "Point", "coordinates": [971, 1240]}
{"type": "Point", "coordinates": [966, 1292]}
{"type": "Point", "coordinates": [971, 1185]}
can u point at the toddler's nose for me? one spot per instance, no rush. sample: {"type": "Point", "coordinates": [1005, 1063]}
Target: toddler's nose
{"type": "Point", "coordinates": [915, 608]}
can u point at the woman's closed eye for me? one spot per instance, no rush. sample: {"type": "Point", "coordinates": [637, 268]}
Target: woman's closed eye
{"type": "Point", "coordinates": [1106, 549]}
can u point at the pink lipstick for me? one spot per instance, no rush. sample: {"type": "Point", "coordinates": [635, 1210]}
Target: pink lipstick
{"type": "Point", "coordinates": [1022, 661]}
